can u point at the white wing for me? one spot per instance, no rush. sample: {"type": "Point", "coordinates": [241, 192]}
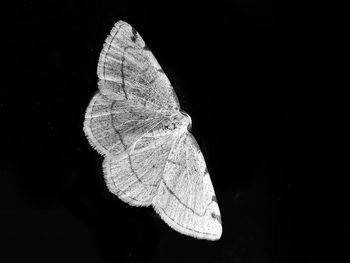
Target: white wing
{"type": "Point", "coordinates": [150, 157]}
{"type": "Point", "coordinates": [186, 199]}
{"type": "Point", "coordinates": [135, 177]}
{"type": "Point", "coordinates": [113, 126]}
{"type": "Point", "coordinates": [128, 69]}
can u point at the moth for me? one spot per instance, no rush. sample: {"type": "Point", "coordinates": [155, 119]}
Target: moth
{"type": "Point", "coordinates": [150, 156]}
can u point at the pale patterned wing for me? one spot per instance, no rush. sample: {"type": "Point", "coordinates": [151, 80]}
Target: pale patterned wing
{"type": "Point", "coordinates": [186, 199]}
{"type": "Point", "coordinates": [150, 157]}
{"type": "Point", "coordinates": [127, 68]}
{"type": "Point", "coordinates": [113, 126]}
{"type": "Point", "coordinates": [135, 177]}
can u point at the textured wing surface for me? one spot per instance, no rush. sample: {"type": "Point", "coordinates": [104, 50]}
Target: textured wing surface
{"type": "Point", "coordinates": [186, 200]}
{"type": "Point", "coordinates": [128, 69]}
{"type": "Point", "coordinates": [135, 177]}
{"type": "Point", "coordinates": [150, 157]}
{"type": "Point", "coordinates": [113, 126]}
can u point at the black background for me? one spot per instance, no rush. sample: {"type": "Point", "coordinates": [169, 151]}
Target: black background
{"type": "Point", "coordinates": [265, 84]}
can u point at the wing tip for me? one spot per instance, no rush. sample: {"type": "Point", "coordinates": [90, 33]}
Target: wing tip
{"type": "Point", "coordinates": [216, 235]}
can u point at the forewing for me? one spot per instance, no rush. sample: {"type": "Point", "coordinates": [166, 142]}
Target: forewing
{"type": "Point", "coordinates": [186, 199]}
{"type": "Point", "coordinates": [128, 69]}
{"type": "Point", "coordinates": [135, 177]}
{"type": "Point", "coordinates": [114, 126]}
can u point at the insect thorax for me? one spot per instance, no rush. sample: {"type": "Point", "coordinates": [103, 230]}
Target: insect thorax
{"type": "Point", "coordinates": [177, 122]}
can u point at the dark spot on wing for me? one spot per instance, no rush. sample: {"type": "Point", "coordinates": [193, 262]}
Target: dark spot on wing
{"type": "Point", "coordinates": [160, 70]}
{"type": "Point", "coordinates": [146, 48]}
{"type": "Point", "coordinates": [134, 36]}
{"type": "Point", "coordinates": [217, 217]}
{"type": "Point", "coordinates": [181, 226]}
{"type": "Point", "coordinates": [205, 171]}
{"type": "Point", "coordinates": [213, 199]}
